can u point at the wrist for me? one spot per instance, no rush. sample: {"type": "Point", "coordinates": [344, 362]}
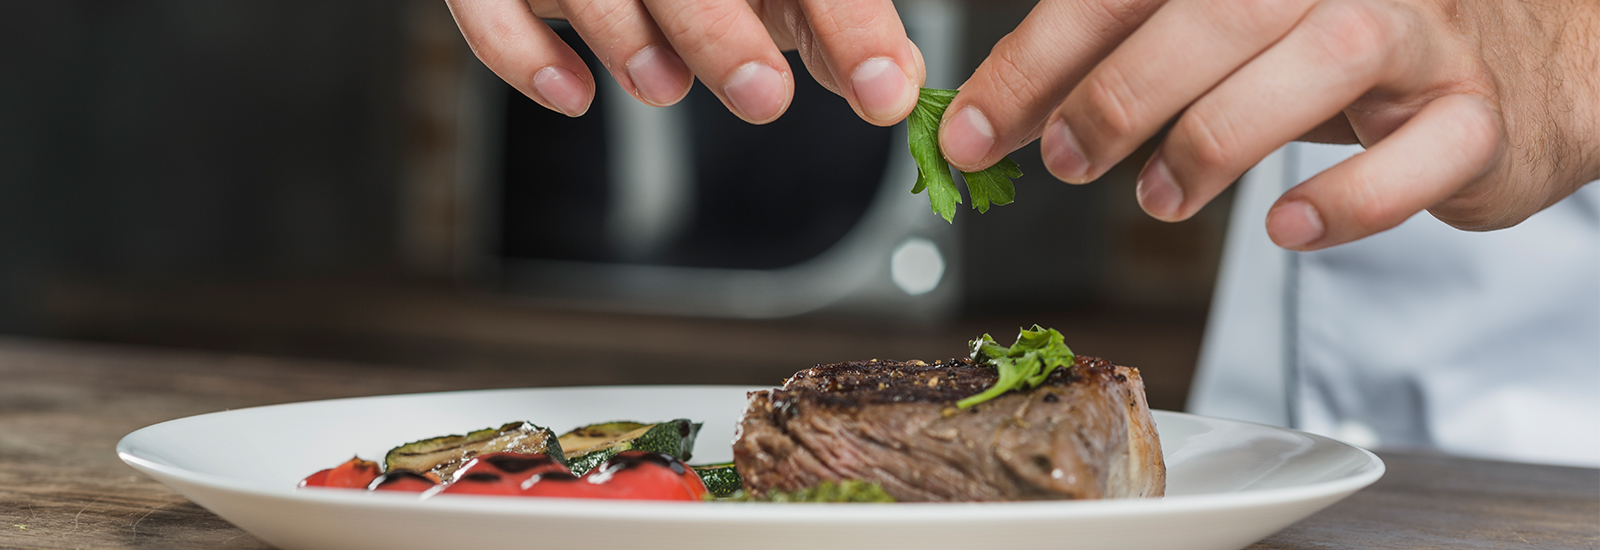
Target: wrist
{"type": "Point", "coordinates": [1544, 58]}
{"type": "Point", "coordinates": [1574, 105]}
{"type": "Point", "coordinates": [1581, 41]}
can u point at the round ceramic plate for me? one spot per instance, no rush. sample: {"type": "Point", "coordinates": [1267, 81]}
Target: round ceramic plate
{"type": "Point", "coordinates": [1228, 483]}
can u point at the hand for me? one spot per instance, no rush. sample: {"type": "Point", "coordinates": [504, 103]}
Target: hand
{"type": "Point", "coordinates": [1482, 112]}
{"type": "Point", "coordinates": [655, 48]}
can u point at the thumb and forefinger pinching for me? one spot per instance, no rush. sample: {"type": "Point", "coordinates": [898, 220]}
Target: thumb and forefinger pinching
{"type": "Point", "coordinates": [1417, 85]}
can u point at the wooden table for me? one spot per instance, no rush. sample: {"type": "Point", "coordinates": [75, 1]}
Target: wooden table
{"type": "Point", "coordinates": [63, 406]}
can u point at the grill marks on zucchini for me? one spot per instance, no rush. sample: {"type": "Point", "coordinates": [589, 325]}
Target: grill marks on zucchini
{"type": "Point", "coordinates": [588, 446]}
{"type": "Point", "coordinates": [446, 454]}
{"type": "Point", "coordinates": [721, 480]}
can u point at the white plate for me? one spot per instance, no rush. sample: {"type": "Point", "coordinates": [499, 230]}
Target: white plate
{"type": "Point", "coordinates": [1229, 483]}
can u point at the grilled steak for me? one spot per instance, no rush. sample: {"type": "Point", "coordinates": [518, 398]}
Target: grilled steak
{"type": "Point", "coordinates": [1085, 433]}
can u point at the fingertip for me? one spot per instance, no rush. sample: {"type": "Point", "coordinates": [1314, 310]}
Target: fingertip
{"type": "Point", "coordinates": [1158, 191]}
{"type": "Point", "coordinates": [1295, 225]}
{"type": "Point", "coordinates": [659, 76]}
{"type": "Point", "coordinates": [966, 138]}
{"type": "Point", "coordinates": [884, 92]}
{"type": "Point", "coordinates": [758, 92]}
{"type": "Point", "coordinates": [563, 90]}
{"type": "Point", "coordinates": [1062, 154]}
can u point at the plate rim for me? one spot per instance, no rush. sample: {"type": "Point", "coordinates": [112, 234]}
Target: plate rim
{"type": "Point", "coordinates": [721, 512]}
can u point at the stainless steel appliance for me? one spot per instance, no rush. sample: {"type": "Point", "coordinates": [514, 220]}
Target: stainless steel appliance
{"type": "Point", "coordinates": [687, 210]}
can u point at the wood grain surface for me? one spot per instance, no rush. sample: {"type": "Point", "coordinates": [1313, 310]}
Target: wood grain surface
{"type": "Point", "coordinates": [64, 405]}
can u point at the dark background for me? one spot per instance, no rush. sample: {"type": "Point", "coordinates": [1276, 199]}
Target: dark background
{"type": "Point", "coordinates": [278, 177]}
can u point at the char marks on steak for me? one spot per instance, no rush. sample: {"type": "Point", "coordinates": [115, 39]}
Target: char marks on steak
{"type": "Point", "coordinates": [1085, 433]}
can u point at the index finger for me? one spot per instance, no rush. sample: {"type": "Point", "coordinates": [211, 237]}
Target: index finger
{"type": "Point", "coordinates": [1030, 71]}
{"type": "Point", "coordinates": [522, 50]}
{"type": "Point", "coordinates": [859, 49]}
{"type": "Point", "coordinates": [728, 47]}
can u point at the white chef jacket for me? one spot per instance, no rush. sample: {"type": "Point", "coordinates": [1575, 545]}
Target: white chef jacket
{"type": "Point", "coordinates": [1424, 336]}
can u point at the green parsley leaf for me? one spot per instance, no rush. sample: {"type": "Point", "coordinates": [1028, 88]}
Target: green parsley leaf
{"type": "Point", "coordinates": [991, 185]}
{"type": "Point", "coordinates": [933, 173]}
{"type": "Point", "coordinates": [1026, 364]}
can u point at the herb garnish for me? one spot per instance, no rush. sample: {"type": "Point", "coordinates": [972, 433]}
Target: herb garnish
{"type": "Point", "coordinates": [990, 185]}
{"type": "Point", "coordinates": [849, 490]}
{"type": "Point", "coordinates": [1025, 364]}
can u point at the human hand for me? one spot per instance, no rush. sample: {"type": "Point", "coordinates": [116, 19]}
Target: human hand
{"type": "Point", "coordinates": [1482, 112]}
{"type": "Point", "coordinates": [655, 49]}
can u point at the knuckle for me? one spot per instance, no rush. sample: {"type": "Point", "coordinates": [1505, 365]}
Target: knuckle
{"type": "Point", "coordinates": [829, 20]}
{"type": "Point", "coordinates": [1256, 17]}
{"type": "Point", "coordinates": [1121, 14]}
{"type": "Point", "coordinates": [603, 19]}
{"type": "Point", "coordinates": [1110, 104]}
{"type": "Point", "coordinates": [1008, 76]}
{"type": "Point", "coordinates": [1353, 33]}
{"type": "Point", "coordinates": [493, 45]}
{"type": "Point", "coordinates": [1209, 141]}
{"type": "Point", "coordinates": [698, 26]}
{"type": "Point", "coordinates": [1368, 208]}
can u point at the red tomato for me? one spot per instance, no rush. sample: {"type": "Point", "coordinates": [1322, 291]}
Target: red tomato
{"type": "Point", "coordinates": [481, 483]}
{"type": "Point", "coordinates": [404, 481]}
{"type": "Point", "coordinates": [631, 475]}
{"type": "Point", "coordinates": [353, 474]}
{"type": "Point", "coordinates": [319, 479]}
{"type": "Point", "coordinates": [568, 486]}
{"type": "Point", "coordinates": [504, 474]}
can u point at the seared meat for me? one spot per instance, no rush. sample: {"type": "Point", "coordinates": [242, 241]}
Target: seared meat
{"type": "Point", "coordinates": [1084, 433]}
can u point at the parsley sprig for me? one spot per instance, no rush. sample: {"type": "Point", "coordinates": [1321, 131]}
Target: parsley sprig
{"type": "Point", "coordinates": [1025, 364]}
{"type": "Point", "coordinates": [991, 185]}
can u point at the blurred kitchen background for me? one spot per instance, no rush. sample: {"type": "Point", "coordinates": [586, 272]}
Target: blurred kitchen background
{"type": "Point", "coordinates": [345, 181]}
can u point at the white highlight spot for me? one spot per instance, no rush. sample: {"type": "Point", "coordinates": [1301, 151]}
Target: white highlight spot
{"type": "Point", "coordinates": [1358, 433]}
{"type": "Point", "coordinates": [916, 266]}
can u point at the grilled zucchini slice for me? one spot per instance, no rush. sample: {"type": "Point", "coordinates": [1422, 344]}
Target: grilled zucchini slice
{"type": "Point", "coordinates": [588, 446]}
{"type": "Point", "coordinates": [444, 455]}
{"type": "Point", "coordinates": [721, 480]}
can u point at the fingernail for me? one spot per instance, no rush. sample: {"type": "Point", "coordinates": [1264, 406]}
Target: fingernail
{"type": "Point", "coordinates": [659, 75]}
{"type": "Point", "coordinates": [1294, 224]}
{"type": "Point", "coordinates": [1062, 154]}
{"type": "Point", "coordinates": [881, 88]}
{"type": "Point", "coordinates": [756, 91]}
{"type": "Point", "coordinates": [563, 90]}
{"type": "Point", "coordinates": [967, 137]}
{"type": "Point", "coordinates": [1158, 192]}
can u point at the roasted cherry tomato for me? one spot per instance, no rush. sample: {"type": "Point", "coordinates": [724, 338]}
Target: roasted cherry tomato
{"type": "Point", "coordinates": [481, 483]}
{"type": "Point", "coordinates": [504, 474]}
{"type": "Point", "coordinates": [631, 475]}
{"type": "Point", "coordinates": [353, 474]}
{"type": "Point", "coordinates": [404, 481]}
